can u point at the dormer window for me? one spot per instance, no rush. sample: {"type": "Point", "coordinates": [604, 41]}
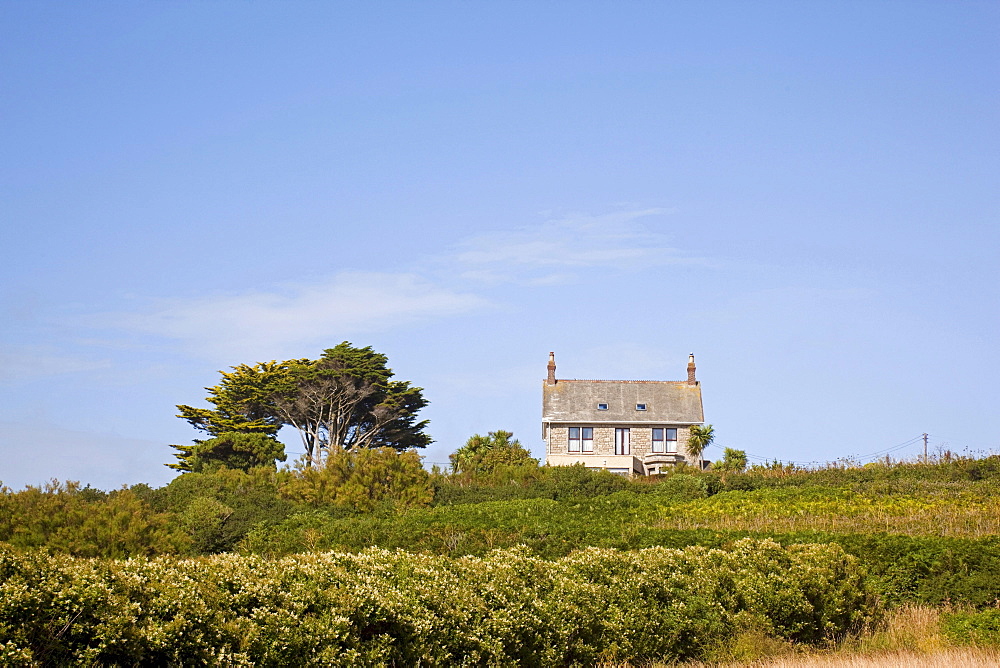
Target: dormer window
{"type": "Point", "coordinates": [602, 407]}
{"type": "Point", "coordinates": [640, 407]}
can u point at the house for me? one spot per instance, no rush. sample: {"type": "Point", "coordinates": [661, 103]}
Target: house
{"type": "Point", "coordinates": [631, 427]}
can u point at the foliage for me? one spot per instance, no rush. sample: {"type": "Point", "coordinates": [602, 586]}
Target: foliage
{"type": "Point", "coordinates": [972, 628]}
{"type": "Point", "coordinates": [681, 487]}
{"type": "Point", "coordinates": [230, 449]}
{"type": "Point", "coordinates": [203, 520]}
{"type": "Point", "coordinates": [902, 506]}
{"type": "Point", "coordinates": [67, 518]}
{"type": "Point", "coordinates": [363, 480]}
{"type": "Point", "coordinates": [484, 454]}
{"type": "Point", "coordinates": [526, 481]}
{"type": "Point", "coordinates": [345, 400]}
{"type": "Point", "coordinates": [732, 460]}
{"type": "Point", "coordinates": [396, 608]}
{"type": "Point", "coordinates": [217, 509]}
{"type": "Point", "coordinates": [927, 533]}
{"type": "Point", "coordinates": [241, 401]}
{"type": "Point", "coordinates": [701, 436]}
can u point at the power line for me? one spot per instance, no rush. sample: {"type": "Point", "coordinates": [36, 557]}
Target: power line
{"type": "Point", "coordinates": [873, 455]}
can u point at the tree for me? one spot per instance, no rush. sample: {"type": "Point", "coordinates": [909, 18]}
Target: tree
{"type": "Point", "coordinates": [343, 401]}
{"type": "Point", "coordinates": [241, 400]}
{"type": "Point", "coordinates": [229, 449]}
{"type": "Point", "coordinates": [483, 454]}
{"type": "Point", "coordinates": [347, 400]}
{"type": "Point", "coordinates": [701, 436]}
{"type": "Point", "coordinates": [732, 460]}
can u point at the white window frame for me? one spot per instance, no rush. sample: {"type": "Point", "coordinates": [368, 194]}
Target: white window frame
{"type": "Point", "coordinates": [580, 440]}
{"type": "Point", "coordinates": [640, 407]}
{"type": "Point", "coordinates": [623, 441]}
{"type": "Point", "coordinates": [666, 444]}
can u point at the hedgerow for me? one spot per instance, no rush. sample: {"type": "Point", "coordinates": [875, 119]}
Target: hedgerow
{"type": "Point", "coordinates": [381, 607]}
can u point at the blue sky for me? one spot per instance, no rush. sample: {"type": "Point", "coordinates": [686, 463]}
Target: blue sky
{"type": "Point", "coordinates": [805, 195]}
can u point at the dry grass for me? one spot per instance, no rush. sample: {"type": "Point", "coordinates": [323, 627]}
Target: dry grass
{"type": "Point", "coordinates": [910, 637]}
{"type": "Point", "coordinates": [946, 658]}
{"type": "Point", "coordinates": [909, 629]}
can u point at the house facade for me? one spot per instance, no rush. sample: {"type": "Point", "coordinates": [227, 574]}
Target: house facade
{"type": "Point", "coordinates": [631, 427]}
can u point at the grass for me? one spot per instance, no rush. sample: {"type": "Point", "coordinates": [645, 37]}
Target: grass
{"type": "Point", "coordinates": [970, 511]}
{"type": "Point", "coordinates": [955, 657]}
{"type": "Point", "coordinates": [910, 636]}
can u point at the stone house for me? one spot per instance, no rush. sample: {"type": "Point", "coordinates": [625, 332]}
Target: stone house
{"type": "Point", "coordinates": [631, 427]}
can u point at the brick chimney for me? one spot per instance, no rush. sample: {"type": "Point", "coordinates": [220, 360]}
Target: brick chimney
{"type": "Point", "coordinates": [551, 380]}
{"type": "Point", "coordinates": [691, 379]}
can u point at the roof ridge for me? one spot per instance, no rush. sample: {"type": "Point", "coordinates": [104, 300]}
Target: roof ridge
{"type": "Point", "coordinates": [594, 380]}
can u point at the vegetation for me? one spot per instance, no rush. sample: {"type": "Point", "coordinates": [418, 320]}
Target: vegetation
{"type": "Point", "coordinates": [701, 436]}
{"type": "Point", "coordinates": [230, 449]}
{"type": "Point", "coordinates": [70, 519]}
{"type": "Point", "coordinates": [902, 535]}
{"type": "Point", "coordinates": [363, 481]}
{"type": "Point", "coordinates": [910, 636]}
{"type": "Point", "coordinates": [732, 460]}
{"type": "Point", "coordinates": [482, 455]}
{"type": "Point", "coordinates": [345, 400]}
{"type": "Point", "coordinates": [397, 608]}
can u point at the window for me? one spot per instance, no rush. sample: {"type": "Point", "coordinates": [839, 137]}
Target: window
{"type": "Point", "coordinates": [640, 407]}
{"type": "Point", "coordinates": [623, 441]}
{"type": "Point", "coordinates": [664, 440]}
{"type": "Point", "coordinates": [581, 439]}
{"type": "Point", "coordinates": [602, 407]}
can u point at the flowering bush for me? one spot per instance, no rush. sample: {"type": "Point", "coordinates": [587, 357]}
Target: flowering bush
{"type": "Point", "coordinates": [383, 607]}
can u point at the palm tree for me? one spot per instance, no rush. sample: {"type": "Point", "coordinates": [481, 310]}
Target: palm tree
{"type": "Point", "coordinates": [701, 436]}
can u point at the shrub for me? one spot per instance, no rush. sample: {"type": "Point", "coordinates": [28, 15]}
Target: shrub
{"type": "Point", "coordinates": [218, 508]}
{"type": "Point", "coordinates": [362, 480]}
{"type": "Point", "coordinates": [384, 607]}
{"type": "Point", "coordinates": [972, 628]}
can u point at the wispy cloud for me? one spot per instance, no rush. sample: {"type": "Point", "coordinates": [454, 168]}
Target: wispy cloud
{"type": "Point", "coordinates": [35, 361]}
{"type": "Point", "coordinates": [285, 319]}
{"type": "Point", "coordinates": [553, 250]}
{"type": "Point", "coordinates": [268, 323]}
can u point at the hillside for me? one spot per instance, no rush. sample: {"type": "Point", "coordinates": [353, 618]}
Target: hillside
{"type": "Point", "coordinates": [904, 535]}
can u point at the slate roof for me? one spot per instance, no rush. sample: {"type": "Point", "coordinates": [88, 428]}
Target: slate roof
{"type": "Point", "coordinates": [666, 401]}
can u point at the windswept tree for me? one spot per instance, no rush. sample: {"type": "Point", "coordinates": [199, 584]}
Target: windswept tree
{"type": "Point", "coordinates": [242, 401]}
{"type": "Point", "coordinates": [343, 401]}
{"type": "Point", "coordinates": [347, 400]}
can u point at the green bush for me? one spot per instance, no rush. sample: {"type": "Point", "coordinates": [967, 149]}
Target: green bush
{"type": "Point", "coordinates": [217, 509]}
{"type": "Point", "coordinates": [382, 607]}
{"type": "Point", "coordinates": [972, 628]}
{"type": "Point", "coordinates": [682, 487]}
{"type": "Point", "coordinates": [67, 518]}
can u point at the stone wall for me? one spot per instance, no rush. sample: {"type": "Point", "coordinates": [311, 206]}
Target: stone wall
{"type": "Point", "coordinates": [604, 440]}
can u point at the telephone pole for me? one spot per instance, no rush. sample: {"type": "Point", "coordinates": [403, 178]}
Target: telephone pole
{"type": "Point", "coordinates": [925, 448]}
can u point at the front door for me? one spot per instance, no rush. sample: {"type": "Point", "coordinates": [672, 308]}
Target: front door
{"type": "Point", "coordinates": [623, 442]}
